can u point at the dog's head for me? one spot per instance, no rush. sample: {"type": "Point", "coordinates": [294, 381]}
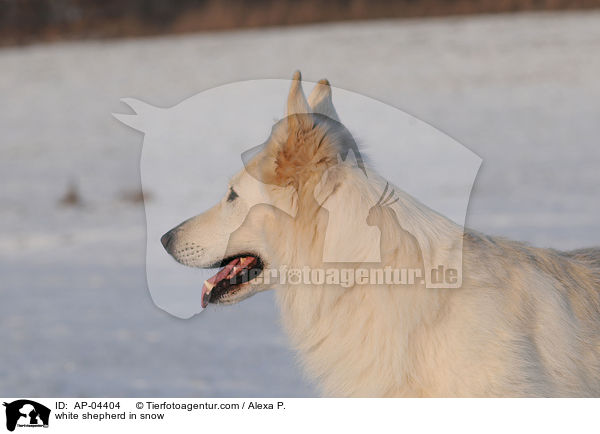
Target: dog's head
{"type": "Point", "coordinates": [272, 206]}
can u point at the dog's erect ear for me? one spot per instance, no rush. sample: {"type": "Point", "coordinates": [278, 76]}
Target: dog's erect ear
{"type": "Point", "coordinates": [296, 102]}
{"type": "Point", "coordinates": [304, 146]}
{"type": "Point", "coordinates": [320, 100]}
{"type": "Point", "coordinates": [297, 107]}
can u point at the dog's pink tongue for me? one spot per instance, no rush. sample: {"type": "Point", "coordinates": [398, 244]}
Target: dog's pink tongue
{"type": "Point", "coordinates": [212, 282]}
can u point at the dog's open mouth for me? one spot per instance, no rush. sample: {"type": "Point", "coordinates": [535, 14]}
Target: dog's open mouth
{"type": "Point", "coordinates": [236, 273]}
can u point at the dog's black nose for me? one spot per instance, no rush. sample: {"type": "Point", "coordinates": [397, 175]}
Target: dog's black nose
{"type": "Point", "coordinates": [166, 239]}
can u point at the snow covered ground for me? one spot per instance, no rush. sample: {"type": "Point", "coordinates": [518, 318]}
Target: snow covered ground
{"type": "Point", "coordinates": [522, 91]}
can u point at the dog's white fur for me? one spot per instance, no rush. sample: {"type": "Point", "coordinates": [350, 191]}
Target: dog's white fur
{"type": "Point", "coordinates": [525, 322]}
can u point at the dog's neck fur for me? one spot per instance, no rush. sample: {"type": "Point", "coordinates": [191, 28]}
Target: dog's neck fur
{"type": "Point", "coordinates": [324, 321]}
{"type": "Point", "coordinates": [378, 340]}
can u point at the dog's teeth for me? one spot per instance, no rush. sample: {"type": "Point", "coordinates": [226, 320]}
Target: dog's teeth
{"type": "Point", "coordinates": [209, 285]}
{"type": "Point", "coordinates": [247, 260]}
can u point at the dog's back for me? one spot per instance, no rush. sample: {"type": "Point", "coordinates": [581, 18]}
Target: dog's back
{"type": "Point", "coordinates": [548, 312]}
{"type": "Point", "coordinates": [526, 322]}
{"type": "Point", "coordinates": [589, 256]}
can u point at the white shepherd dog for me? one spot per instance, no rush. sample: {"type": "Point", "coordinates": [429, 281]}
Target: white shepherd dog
{"type": "Point", "coordinates": [524, 322]}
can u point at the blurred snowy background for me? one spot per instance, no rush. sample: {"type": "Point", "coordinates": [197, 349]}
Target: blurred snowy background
{"type": "Point", "coordinates": [76, 319]}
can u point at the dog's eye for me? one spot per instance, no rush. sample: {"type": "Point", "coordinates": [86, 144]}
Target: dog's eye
{"type": "Point", "coordinates": [232, 195]}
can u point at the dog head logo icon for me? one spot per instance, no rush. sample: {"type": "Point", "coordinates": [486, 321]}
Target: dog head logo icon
{"type": "Point", "coordinates": [26, 413]}
{"type": "Point", "coordinates": [306, 192]}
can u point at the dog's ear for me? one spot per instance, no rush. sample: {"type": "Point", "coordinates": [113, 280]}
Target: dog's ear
{"type": "Point", "coordinates": [320, 100]}
{"type": "Point", "coordinates": [304, 146]}
{"type": "Point", "coordinates": [298, 110]}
